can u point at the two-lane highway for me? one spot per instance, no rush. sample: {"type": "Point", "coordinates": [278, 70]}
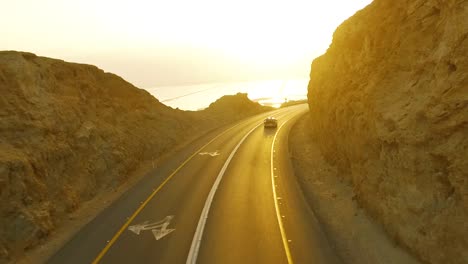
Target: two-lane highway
{"type": "Point", "coordinates": [253, 218]}
{"type": "Point", "coordinates": [217, 205]}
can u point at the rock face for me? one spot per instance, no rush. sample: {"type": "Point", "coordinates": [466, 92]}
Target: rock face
{"type": "Point", "coordinates": [389, 104]}
{"type": "Point", "coordinates": [69, 131]}
{"type": "Point", "coordinates": [234, 106]}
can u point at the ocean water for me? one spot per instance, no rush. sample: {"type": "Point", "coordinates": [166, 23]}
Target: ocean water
{"type": "Point", "coordinates": [196, 97]}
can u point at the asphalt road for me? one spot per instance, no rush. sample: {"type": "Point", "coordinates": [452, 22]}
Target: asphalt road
{"type": "Point", "coordinates": [229, 197]}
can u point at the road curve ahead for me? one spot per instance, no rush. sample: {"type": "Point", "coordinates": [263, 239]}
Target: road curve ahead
{"type": "Point", "coordinates": [230, 197]}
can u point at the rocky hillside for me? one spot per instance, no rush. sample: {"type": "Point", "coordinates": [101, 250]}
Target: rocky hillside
{"type": "Point", "coordinates": [69, 131]}
{"type": "Point", "coordinates": [389, 105]}
{"type": "Point", "coordinates": [234, 106]}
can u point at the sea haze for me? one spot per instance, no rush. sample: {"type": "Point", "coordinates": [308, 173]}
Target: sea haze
{"type": "Point", "coordinates": [196, 97]}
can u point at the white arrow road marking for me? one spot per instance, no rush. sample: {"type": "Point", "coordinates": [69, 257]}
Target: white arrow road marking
{"type": "Point", "coordinates": [159, 229]}
{"type": "Point", "coordinates": [212, 154]}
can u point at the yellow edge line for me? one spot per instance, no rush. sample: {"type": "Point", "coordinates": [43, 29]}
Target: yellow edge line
{"type": "Point", "coordinates": [125, 226]}
{"type": "Point", "coordinates": [278, 215]}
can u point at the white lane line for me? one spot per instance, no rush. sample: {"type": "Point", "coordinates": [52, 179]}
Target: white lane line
{"type": "Point", "coordinates": [139, 209]}
{"type": "Point", "coordinates": [275, 199]}
{"type": "Point", "coordinates": [195, 247]}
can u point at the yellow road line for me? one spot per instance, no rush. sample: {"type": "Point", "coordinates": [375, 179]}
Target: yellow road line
{"type": "Point", "coordinates": [197, 238]}
{"type": "Point", "coordinates": [127, 223]}
{"type": "Point", "coordinates": [275, 197]}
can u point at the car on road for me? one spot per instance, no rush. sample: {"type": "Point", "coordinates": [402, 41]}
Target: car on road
{"type": "Point", "coordinates": [270, 122]}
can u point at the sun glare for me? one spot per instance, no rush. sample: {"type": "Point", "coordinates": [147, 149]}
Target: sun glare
{"type": "Point", "coordinates": [179, 41]}
{"type": "Point", "coordinates": [276, 92]}
{"type": "Point", "coordinates": [243, 28]}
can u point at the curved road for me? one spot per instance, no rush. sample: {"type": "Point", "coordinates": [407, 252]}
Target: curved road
{"type": "Point", "coordinates": [229, 197]}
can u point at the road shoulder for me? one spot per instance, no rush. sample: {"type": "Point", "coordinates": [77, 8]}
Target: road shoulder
{"type": "Point", "coordinates": [351, 232]}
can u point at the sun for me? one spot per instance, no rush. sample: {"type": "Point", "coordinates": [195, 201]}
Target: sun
{"type": "Point", "coordinates": [276, 92]}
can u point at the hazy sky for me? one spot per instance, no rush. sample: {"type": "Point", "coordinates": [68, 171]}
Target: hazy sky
{"type": "Point", "coordinates": [155, 43]}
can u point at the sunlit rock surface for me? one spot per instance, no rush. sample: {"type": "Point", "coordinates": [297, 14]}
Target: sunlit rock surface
{"type": "Point", "coordinates": [389, 103]}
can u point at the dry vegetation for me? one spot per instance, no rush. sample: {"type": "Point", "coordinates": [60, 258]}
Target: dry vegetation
{"type": "Point", "coordinates": [71, 131]}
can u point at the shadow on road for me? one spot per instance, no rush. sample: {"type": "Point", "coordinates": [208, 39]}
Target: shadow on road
{"type": "Point", "coordinates": [269, 132]}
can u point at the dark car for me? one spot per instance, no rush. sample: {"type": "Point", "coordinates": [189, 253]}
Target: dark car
{"type": "Point", "coordinates": [270, 122]}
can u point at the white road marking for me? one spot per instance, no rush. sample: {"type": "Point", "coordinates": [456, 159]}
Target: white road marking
{"type": "Point", "coordinates": [168, 178]}
{"type": "Point", "coordinates": [195, 247]}
{"type": "Point", "coordinates": [212, 154]}
{"type": "Point", "coordinates": [159, 229]}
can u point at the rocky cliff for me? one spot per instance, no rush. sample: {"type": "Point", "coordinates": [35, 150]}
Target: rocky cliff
{"type": "Point", "coordinates": [69, 131]}
{"type": "Point", "coordinates": [389, 105]}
